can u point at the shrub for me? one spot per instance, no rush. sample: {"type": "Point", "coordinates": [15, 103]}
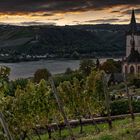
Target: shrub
{"type": "Point", "coordinates": [68, 71]}
{"type": "Point", "coordinates": [67, 77]}
{"type": "Point", "coordinates": [86, 66]}
{"type": "Point", "coordinates": [121, 107]}
{"type": "Point", "coordinates": [41, 74]}
{"type": "Point", "coordinates": [136, 82]}
{"type": "Point", "coordinates": [12, 86]}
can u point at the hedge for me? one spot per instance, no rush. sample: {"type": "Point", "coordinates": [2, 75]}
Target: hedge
{"type": "Point", "coordinates": [119, 107]}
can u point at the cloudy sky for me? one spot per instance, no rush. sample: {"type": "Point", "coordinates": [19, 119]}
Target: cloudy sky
{"type": "Point", "coordinates": [67, 12]}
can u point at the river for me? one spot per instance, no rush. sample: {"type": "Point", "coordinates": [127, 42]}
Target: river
{"type": "Point", "coordinates": [27, 69]}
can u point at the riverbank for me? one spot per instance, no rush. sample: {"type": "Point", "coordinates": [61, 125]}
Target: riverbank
{"type": "Point", "coordinates": [27, 69]}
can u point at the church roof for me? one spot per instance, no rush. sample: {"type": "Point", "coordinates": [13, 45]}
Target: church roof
{"type": "Point", "coordinates": [133, 29]}
{"type": "Point", "coordinates": [133, 24]}
{"type": "Point", "coordinates": [134, 56]}
{"type": "Point", "coordinates": [116, 77]}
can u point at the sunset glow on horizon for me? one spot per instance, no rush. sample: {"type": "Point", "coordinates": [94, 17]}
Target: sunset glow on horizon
{"type": "Point", "coordinates": [67, 12]}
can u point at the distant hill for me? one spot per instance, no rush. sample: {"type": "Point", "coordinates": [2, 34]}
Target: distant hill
{"type": "Point", "coordinates": [64, 41]}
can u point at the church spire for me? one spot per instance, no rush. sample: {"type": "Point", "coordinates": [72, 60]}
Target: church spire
{"type": "Point", "coordinates": [133, 24]}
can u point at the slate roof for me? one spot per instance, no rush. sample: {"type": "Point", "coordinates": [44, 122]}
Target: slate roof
{"type": "Point", "coordinates": [116, 77]}
{"type": "Point", "coordinates": [134, 56]}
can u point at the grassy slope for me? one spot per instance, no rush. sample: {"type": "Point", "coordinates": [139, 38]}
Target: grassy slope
{"type": "Point", "coordinates": [122, 130]}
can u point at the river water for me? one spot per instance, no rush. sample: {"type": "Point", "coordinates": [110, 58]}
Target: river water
{"type": "Point", "coordinates": [27, 69]}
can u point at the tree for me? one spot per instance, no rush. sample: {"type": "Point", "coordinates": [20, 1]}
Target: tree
{"type": "Point", "coordinates": [4, 73]}
{"type": "Point", "coordinates": [68, 71]}
{"type": "Point", "coordinates": [12, 86]}
{"type": "Point", "coordinates": [86, 66]}
{"type": "Point", "coordinates": [111, 66]}
{"type": "Point", "coordinates": [41, 74]}
{"type": "Point", "coordinates": [73, 98]}
{"type": "Point", "coordinates": [95, 85]}
{"type": "Point", "coordinates": [97, 63]}
{"type": "Point", "coordinates": [29, 108]}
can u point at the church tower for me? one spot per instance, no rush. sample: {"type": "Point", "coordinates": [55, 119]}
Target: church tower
{"type": "Point", "coordinates": [131, 64]}
{"type": "Point", "coordinates": [132, 36]}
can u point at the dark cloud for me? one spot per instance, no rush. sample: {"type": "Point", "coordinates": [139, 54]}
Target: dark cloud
{"type": "Point", "coordinates": [40, 14]}
{"type": "Point", "coordinates": [119, 16]}
{"type": "Point", "coordinates": [111, 20]}
{"type": "Point", "coordinates": [36, 23]}
{"type": "Point", "coordinates": [47, 14]}
{"type": "Point", "coordinates": [103, 20]}
{"type": "Point", "coordinates": [124, 20]}
{"type": "Point", "coordinates": [55, 6]}
{"type": "Point", "coordinates": [129, 11]}
{"type": "Point", "coordinates": [115, 11]}
{"type": "Point", "coordinates": [55, 19]}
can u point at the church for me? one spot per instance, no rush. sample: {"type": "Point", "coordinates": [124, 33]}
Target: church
{"type": "Point", "coordinates": [131, 63]}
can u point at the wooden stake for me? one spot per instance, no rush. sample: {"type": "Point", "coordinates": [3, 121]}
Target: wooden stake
{"type": "Point", "coordinates": [5, 127]}
{"type": "Point", "coordinates": [107, 99]}
{"type": "Point", "coordinates": [129, 99]}
{"type": "Point", "coordinates": [61, 107]}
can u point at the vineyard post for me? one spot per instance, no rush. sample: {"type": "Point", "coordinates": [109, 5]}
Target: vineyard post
{"type": "Point", "coordinates": [129, 99]}
{"type": "Point", "coordinates": [5, 127]}
{"type": "Point", "coordinates": [61, 107]}
{"type": "Point", "coordinates": [107, 98]}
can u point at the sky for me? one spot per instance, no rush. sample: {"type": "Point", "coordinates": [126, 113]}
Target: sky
{"type": "Point", "coordinates": [67, 12]}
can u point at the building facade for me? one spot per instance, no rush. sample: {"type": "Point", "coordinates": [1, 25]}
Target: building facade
{"type": "Point", "coordinates": [131, 63]}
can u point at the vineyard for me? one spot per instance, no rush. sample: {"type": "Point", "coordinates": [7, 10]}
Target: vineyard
{"type": "Point", "coordinates": [46, 107]}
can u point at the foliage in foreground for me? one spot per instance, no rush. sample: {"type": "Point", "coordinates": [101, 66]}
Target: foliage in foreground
{"type": "Point", "coordinates": [33, 105]}
{"type": "Point", "coordinates": [28, 105]}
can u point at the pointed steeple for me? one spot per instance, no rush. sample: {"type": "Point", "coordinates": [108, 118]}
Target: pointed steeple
{"type": "Point", "coordinates": [133, 24]}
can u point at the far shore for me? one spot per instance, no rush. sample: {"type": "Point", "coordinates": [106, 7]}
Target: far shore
{"type": "Point", "coordinates": [60, 59]}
